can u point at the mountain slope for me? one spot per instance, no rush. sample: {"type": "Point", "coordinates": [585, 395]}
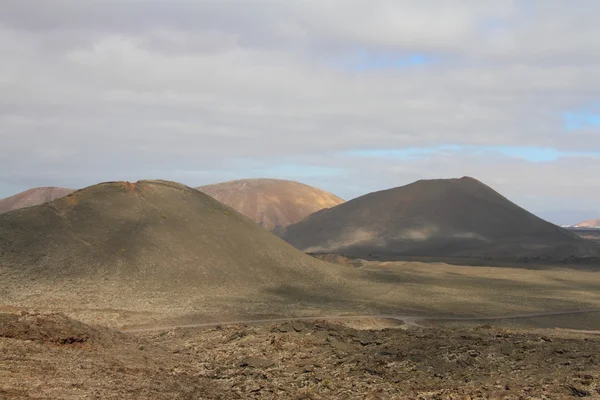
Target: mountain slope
{"type": "Point", "coordinates": [32, 197]}
{"type": "Point", "coordinates": [444, 217]}
{"type": "Point", "coordinates": [273, 203]}
{"type": "Point", "coordinates": [594, 223]}
{"type": "Point", "coordinates": [154, 233]}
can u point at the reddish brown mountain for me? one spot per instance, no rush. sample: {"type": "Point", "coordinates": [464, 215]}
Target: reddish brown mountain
{"type": "Point", "coordinates": [273, 203]}
{"type": "Point", "coordinates": [32, 197]}
{"type": "Point", "coordinates": [443, 217]}
{"type": "Point", "coordinates": [594, 223]}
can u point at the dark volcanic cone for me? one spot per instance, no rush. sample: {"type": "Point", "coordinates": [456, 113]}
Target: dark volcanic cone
{"type": "Point", "coordinates": [442, 217]}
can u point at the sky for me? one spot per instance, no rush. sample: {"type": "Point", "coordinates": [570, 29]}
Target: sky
{"type": "Point", "coordinates": [350, 97]}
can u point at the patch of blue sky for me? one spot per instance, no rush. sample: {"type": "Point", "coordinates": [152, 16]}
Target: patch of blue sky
{"type": "Point", "coordinates": [362, 61]}
{"type": "Point", "coordinates": [575, 120]}
{"type": "Point", "coordinates": [410, 152]}
{"type": "Point", "coordinates": [532, 154]}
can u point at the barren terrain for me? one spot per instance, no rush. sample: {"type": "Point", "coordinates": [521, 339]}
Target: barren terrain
{"type": "Point", "coordinates": [373, 288]}
{"type": "Point", "coordinates": [444, 356]}
{"type": "Point", "coordinates": [52, 357]}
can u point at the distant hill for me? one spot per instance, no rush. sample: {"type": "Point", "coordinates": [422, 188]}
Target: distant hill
{"type": "Point", "coordinates": [594, 223]}
{"type": "Point", "coordinates": [32, 197]}
{"type": "Point", "coordinates": [442, 217]}
{"type": "Point", "coordinates": [273, 203]}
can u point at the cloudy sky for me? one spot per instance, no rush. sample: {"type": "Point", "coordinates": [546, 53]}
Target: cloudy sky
{"type": "Point", "coordinates": [351, 96]}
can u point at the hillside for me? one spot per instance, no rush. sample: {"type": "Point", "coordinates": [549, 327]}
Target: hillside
{"type": "Point", "coordinates": [273, 203]}
{"type": "Point", "coordinates": [130, 245]}
{"type": "Point", "coordinates": [32, 197]}
{"type": "Point", "coordinates": [594, 223]}
{"type": "Point", "coordinates": [147, 230]}
{"type": "Point", "coordinates": [443, 217]}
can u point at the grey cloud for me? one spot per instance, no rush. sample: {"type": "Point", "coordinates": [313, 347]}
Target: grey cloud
{"type": "Point", "coordinates": [498, 28]}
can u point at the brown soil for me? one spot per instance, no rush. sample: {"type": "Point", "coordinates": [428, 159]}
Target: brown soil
{"type": "Point", "coordinates": [293, 361]}
{"type": "Point", "coordinates": [51, 329]}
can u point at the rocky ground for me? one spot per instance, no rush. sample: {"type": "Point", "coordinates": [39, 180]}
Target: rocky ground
{"type": "Point", "coordinates": [54, 357]}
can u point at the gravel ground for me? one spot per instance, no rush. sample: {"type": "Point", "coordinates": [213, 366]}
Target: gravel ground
{"type": "Point", "coordinates": [49, 356]}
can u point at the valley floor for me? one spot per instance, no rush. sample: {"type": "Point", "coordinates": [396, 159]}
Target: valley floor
{"type": "Point", "coordinates": [463, 350]}
{"type": "Point", "coordinates": [395, 288]}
